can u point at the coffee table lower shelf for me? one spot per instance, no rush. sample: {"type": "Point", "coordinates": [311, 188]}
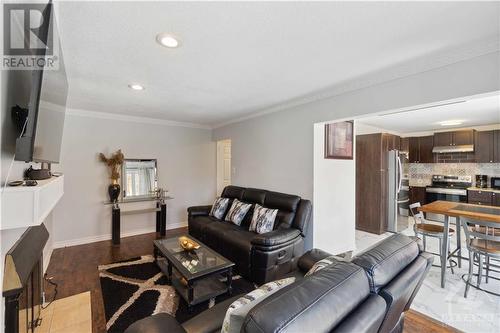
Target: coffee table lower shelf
{"type": "Point", "coordinates": [201, 289]}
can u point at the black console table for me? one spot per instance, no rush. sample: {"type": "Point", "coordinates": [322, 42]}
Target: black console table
{"type": "Point", "coordinates": [160, 210]}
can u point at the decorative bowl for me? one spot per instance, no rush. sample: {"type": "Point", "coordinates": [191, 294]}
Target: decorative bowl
{"type": "Point", "coordinates": [188, 244]}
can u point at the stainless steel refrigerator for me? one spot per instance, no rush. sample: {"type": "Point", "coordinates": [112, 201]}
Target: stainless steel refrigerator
{"type": "Point", "coordinates": [397, 191]}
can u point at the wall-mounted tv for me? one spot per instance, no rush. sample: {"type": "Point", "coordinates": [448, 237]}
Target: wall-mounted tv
{"type": "Point", "coordinates": [42, 132]}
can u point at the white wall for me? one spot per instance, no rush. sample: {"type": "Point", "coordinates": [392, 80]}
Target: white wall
{"type": "Point", "coordinates": [13, 91]}
{"type": "Point", "coordinates": [334, 198]}
{"type": "Point", "coordinates": [186, 167]}
{"type": "Point", "coordinates": [275, 150]}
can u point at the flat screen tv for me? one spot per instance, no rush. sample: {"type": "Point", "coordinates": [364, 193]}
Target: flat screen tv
{"type": "Point", "coordinates": [41, 137]}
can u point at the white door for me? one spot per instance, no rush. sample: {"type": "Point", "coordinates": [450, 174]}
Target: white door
{"type": "Point", "coordinates": [223, 165]}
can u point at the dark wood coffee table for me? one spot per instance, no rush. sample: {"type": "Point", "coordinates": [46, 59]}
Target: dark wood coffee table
{"type": "Point", "coordinates": [199, 271]}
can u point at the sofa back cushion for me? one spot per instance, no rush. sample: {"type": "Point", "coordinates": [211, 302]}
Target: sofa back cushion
{"type": "Point", "coordinates": [286, 204]}
{"type": "Point", "coordinates": [387, 259]}
{"type": "Point", "coordinates": [232, 192]}
{"type": "Point", "coordinates": [321, 301]}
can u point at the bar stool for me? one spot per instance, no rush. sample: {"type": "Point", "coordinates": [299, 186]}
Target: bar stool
{"type": "Point", "coordinates": [426, 229]}
{"type": "Point", "coordinates": [482, 239]}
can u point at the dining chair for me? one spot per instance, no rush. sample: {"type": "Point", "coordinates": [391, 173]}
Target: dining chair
{"type": "Point", "coordinates": [426, 228]}
{"type": "Point", "coordinates": [482, 240]}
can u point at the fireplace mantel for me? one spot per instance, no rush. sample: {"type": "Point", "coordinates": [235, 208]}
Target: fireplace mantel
{"type": "Point", "coordinates": [26, 206]}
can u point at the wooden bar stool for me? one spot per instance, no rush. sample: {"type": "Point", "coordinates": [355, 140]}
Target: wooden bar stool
{"type": "Point", "coordinates": [483, 240]}
{"type": "Point", "coordinates": [426, 228]}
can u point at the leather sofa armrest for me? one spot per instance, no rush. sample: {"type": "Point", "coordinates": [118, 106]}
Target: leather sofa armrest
{"type": "Point", "coordinates": [275, 237]}
{"type": "Point", "coordinates": [159, 323]}
{"type": "Point", "coordinates": [199, 210]}
{"type": "Point", "coordinates": [310, 258]}
{"type": "Point", "coordinates": [209, 320]}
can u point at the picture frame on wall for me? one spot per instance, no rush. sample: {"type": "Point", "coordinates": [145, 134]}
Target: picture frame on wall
{"type": "Point", "coordinates": [339, 138]}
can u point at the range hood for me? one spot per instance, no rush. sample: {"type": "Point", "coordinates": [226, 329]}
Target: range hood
{"type": "Point", "coordinates": [453, 149]}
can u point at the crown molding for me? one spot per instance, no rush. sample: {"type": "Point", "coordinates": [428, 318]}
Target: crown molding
{"type": "Point", "coordinates": [133, 119]}
{"type": "Point", "coordinates": [422, 64]}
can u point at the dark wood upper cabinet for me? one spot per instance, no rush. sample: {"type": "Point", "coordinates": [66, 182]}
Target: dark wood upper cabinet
{"type": "Point", "coordinates": [454, 138]}
{"type": "Point", "coordinates": [413, 148]}
{"type": "Point", "coordinates": [487, 146]}
{"type": "Point", "coordinates": [404, 145]}
{"type": "Point", "coordinates": [420, 149]}
{"type": "Point", "coordinates": [465, 137]}
{"type": "Point", "coordinates": [426, 144]}
{"type": "Point", "coordinates": [484, 148]}
{"type": "Point", "coordinates": [443, 139]}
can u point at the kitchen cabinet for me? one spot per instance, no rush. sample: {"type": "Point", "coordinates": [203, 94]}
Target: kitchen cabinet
{"type": "Point", "coordinates": [420, 149]}
{"type": "Point", "coordinates": [454, 138]}
{"type": "Point", "coordinates": [371, 180]}
{"type": "Point", "coordinates": [443, 139]}
{"type": "Point", "coordinates": [495, 199]}
{"type": "Point", "coordinates": [479, 197]}
{"type": "Point", "coordinates": [404, 145]}
{"type": "Point", "coordinates": [484, 149]}
{"type": "Point", "coordinates": [496, 146]}
{"type": "Point", "coordinates": [417, 194]}
{"type": "Point", "coordinates": [487, 147]}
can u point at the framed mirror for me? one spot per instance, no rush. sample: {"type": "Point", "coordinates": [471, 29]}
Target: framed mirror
{"type": "Point", "coordinates": [139, 178]}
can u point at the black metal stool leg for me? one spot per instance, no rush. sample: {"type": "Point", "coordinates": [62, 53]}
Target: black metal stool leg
{"type": "Point", "coordinates": [471, 265]}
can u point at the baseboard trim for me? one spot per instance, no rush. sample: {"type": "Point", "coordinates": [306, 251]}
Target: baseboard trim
{"type": "Point", "coordinates": [99, 238]}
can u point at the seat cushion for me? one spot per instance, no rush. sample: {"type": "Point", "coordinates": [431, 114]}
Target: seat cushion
{"type": "Point", "coordinates": [198, 224]}
{"type": "Point", "coordinates": [238, 248]}
{"type": "Point", "coordinates": [215, 235]}
{"type": "Point", "coordinates": [484, 245]}
{"type": "Point", "coordinates": [386, 259]}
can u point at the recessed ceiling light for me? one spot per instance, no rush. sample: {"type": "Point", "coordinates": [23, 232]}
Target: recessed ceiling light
{"type": "Point", "coordinates": [451, 122]}
{"type": "Point", "coordinates": [135, 86]}
{"type": "Point", "coordinates": [167, 40]}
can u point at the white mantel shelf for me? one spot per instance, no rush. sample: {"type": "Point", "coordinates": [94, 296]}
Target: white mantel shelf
{"type": "Point", "coordinates": [25, 206]}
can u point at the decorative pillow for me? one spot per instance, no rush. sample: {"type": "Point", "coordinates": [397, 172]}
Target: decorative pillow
{"type": "Point", "coordinates": [263, 219]}
{"type": "Point", "coordinates": [319, 265]}
{"type": "Point", "coordinates": [237, 212]}
{"type": "Point", "coordinates": [238, 310]}
{"type": "Point", "coordinates": [219, 207]}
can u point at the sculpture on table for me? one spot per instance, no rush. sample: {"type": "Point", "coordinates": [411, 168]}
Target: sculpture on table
{"type": "Point", "coordinates": [114, 163]}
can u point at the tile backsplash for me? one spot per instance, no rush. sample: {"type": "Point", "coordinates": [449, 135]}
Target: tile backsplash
{"type": "Point", "coordinates": [420, 174]}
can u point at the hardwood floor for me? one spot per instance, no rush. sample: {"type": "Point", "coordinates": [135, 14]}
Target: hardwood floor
{"type": "Point", "coordinates": [74, 269]}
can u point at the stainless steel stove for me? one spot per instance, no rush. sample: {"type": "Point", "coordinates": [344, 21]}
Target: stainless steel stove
{"type": "Point", "coordinates": [448, 188]}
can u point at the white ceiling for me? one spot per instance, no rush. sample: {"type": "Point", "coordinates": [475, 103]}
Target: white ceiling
{"type": "Point", "coordinates": [473, 112]}
{"type": "Point", "coordinates": [239, 58]}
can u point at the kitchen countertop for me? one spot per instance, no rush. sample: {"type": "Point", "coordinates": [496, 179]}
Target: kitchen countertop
{"type": "Point", "coordinates": [487, 189]}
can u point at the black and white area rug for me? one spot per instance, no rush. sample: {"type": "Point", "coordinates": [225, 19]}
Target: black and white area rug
{"type": "Point", "coordinates": [136, 288]}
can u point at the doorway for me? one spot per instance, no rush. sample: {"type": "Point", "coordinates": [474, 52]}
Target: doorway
{"type": "Point", "coordinates": [223, 165]}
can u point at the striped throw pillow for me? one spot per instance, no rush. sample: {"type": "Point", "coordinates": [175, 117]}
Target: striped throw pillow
{"type": "Point", "coordinates": [263, 219]}
{"type": "Point", "coordinates": [238, 310]}
{"type": "Point", "coordinates": [219, 208]}
{"type": "Point", "coordinates": [237, 212]}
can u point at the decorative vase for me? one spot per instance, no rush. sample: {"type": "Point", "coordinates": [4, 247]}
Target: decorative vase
{"type": "Point", "coordinates": [114, 191]}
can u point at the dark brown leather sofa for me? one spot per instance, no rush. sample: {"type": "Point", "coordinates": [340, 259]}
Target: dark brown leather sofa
{"type": "Point", "coordinates": [259, 258]}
